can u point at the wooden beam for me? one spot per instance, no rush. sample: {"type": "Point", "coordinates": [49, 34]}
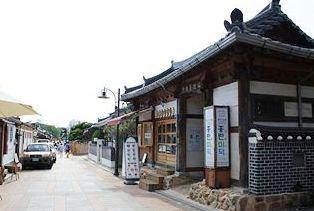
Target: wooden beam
{"type": "Point", "coordinates": [193, 116]}
{"type": "Point", "coordinates": [283, 64]}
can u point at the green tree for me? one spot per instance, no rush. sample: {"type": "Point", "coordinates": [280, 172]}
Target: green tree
{"type": "Point", "coordinates": [51, 129]}
{"type": "Point", "coordinates": [77, 131]}
{"type": "Point", "coordinates": [98, 134]}
{"type": "Point", "coordinates": [126, 128]}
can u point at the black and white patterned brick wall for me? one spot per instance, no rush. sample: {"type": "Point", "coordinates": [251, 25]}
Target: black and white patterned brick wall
{"type": "Point", "coordinates": [280, 164]}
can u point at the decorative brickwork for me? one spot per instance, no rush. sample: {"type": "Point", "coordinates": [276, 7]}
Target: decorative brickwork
{"type": "Point", "coordinates": [281, 164]}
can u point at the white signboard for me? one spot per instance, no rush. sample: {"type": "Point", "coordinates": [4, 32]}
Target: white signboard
{"type": "Point", "coordinates": [209, 137]}
{"type": "Point", "coordinates": [216, 125]}
{"type": "Point", "coordinates": [307, 110]}
{"type": "Point", "coordinates": [130, 163]}
{"type": "Point", "coordinates": [148, 135]}
{"type": "Point", "coordinates": [222, 137]}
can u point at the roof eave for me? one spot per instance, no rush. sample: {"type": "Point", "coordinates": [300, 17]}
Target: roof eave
{"type": "Point", "coordinates": [216, 48]}
{"type": "Point", "coordinates": [247, 38]}
{"type": "Point", "coordinates": [270, 44]}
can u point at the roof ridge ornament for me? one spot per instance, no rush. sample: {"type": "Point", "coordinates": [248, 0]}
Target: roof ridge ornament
{"type": "Point", "coordinates": [145, 80]}
{"type": "Point", "coordinates": [275, 4]}
{"type": "Point", "coordinates": [237, 24]}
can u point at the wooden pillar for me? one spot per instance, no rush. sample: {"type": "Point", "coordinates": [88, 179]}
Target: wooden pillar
{"type": "Point", "coordinates": [208, 97]}
{"type": "Point", "coordinates": [299, 96]}
{"type": "Point", "coordinates": [181, 136]}
{"type": "Point", "coordinates": [244, 121]}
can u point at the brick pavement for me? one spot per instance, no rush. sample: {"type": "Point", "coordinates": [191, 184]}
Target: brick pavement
{"type": "Point", "coordinates": [76, 185]}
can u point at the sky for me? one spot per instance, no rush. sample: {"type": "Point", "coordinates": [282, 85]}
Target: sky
{"type": "Point", "coordinates": [58, 55]}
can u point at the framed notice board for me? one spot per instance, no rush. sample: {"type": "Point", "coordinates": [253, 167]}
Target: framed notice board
{"type": "Point", "coordinates": [217, 136]}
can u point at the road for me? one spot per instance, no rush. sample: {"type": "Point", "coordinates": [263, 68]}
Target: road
{"type": "Point", "coordinates": [75, 184]}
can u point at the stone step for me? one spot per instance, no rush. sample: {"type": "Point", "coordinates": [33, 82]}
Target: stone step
{"type": "Point", "coordinates": [149, 185]}
{"type": "Point", "coordinates": [158, 178]}
{"type": "Point", "coordinates": [165, 171]}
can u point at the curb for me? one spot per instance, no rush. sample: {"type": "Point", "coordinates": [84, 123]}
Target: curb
{"type": "Point", "coordinates": [181, 199]}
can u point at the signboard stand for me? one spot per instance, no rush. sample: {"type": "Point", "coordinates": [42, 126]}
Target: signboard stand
{"type": "Point", "coordinates": [217, 146]}
{"type": "Point", "coordinates": [130, 161]}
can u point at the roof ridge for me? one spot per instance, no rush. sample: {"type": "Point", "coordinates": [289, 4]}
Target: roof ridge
{"type": "Point", "coordinates": [275, 14]}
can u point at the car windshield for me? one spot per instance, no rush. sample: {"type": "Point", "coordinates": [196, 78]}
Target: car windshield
{"type": "Point", "coordinates": [37, 148]}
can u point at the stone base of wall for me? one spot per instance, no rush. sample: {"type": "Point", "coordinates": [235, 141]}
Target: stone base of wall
{"type": "Point", "coordinates": [92, 157]}
{"type": "Point", "coordinates": [229, 199]}
{"type": "Point", "coordinates": [107, 163]}
{"type": "Point", "coordinates": [275, 202]}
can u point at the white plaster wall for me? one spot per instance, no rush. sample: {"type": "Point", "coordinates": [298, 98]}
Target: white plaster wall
{"type": "Point", "coordinates": [195, 105]}
{"type": "Point", "coordinates": [288, 90]}
{"type": "Point", "coordinates": [21, 146]}
{"type": "Point", "coordinates": [307, 91]}
{"type": "Point", "coordinates": [235, 157]}
{"type": "Point", "coordinates": [28, 138]}
{"type": "Point", "coordinates": [9, 157]}
{"type": "Point", "coordinates": [194, 149]}
{"type": "Point", "coordinates": [266, 88]}
{"type": "Point", "coordinates": [228, 96]}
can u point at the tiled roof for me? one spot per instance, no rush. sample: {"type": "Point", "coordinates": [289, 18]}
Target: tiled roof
{"type": "Point", "coordinates": [271, 17]}
{"type": "Point", "coordinates": [253, 33]}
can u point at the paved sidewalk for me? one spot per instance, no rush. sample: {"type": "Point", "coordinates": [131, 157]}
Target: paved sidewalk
{"type": "Point", "coordinates": [77, 185]}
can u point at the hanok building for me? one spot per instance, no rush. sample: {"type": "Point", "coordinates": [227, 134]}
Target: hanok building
{"type": "Point", "coordinates": [263, 71]}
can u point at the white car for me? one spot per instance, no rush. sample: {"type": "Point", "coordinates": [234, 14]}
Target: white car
{"type": "Point", "coordinates": [37, 154]}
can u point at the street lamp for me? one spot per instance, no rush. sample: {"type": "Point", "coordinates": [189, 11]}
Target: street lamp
{"type": "Point", "coordinates": [117, 108]}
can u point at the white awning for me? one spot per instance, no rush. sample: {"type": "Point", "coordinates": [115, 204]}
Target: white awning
{"type": "Point", "coordinates": [10, 107]}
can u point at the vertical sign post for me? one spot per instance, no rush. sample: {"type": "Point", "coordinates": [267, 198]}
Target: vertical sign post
{"type": "Point", "coordinates": [217, 146]}
{"type": "Point", "coordinates": [130, 162]}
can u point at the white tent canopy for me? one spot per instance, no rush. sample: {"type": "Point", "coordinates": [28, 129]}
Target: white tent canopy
{"type": "Point", "coordinates": [10, 107]}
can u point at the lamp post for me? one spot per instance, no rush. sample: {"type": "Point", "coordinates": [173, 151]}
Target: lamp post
{"type": "Point", "coordinates": [117, 108]}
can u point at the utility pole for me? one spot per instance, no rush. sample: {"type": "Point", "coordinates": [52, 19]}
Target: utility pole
{"type": "Point", "coordinates": [116, 167]}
